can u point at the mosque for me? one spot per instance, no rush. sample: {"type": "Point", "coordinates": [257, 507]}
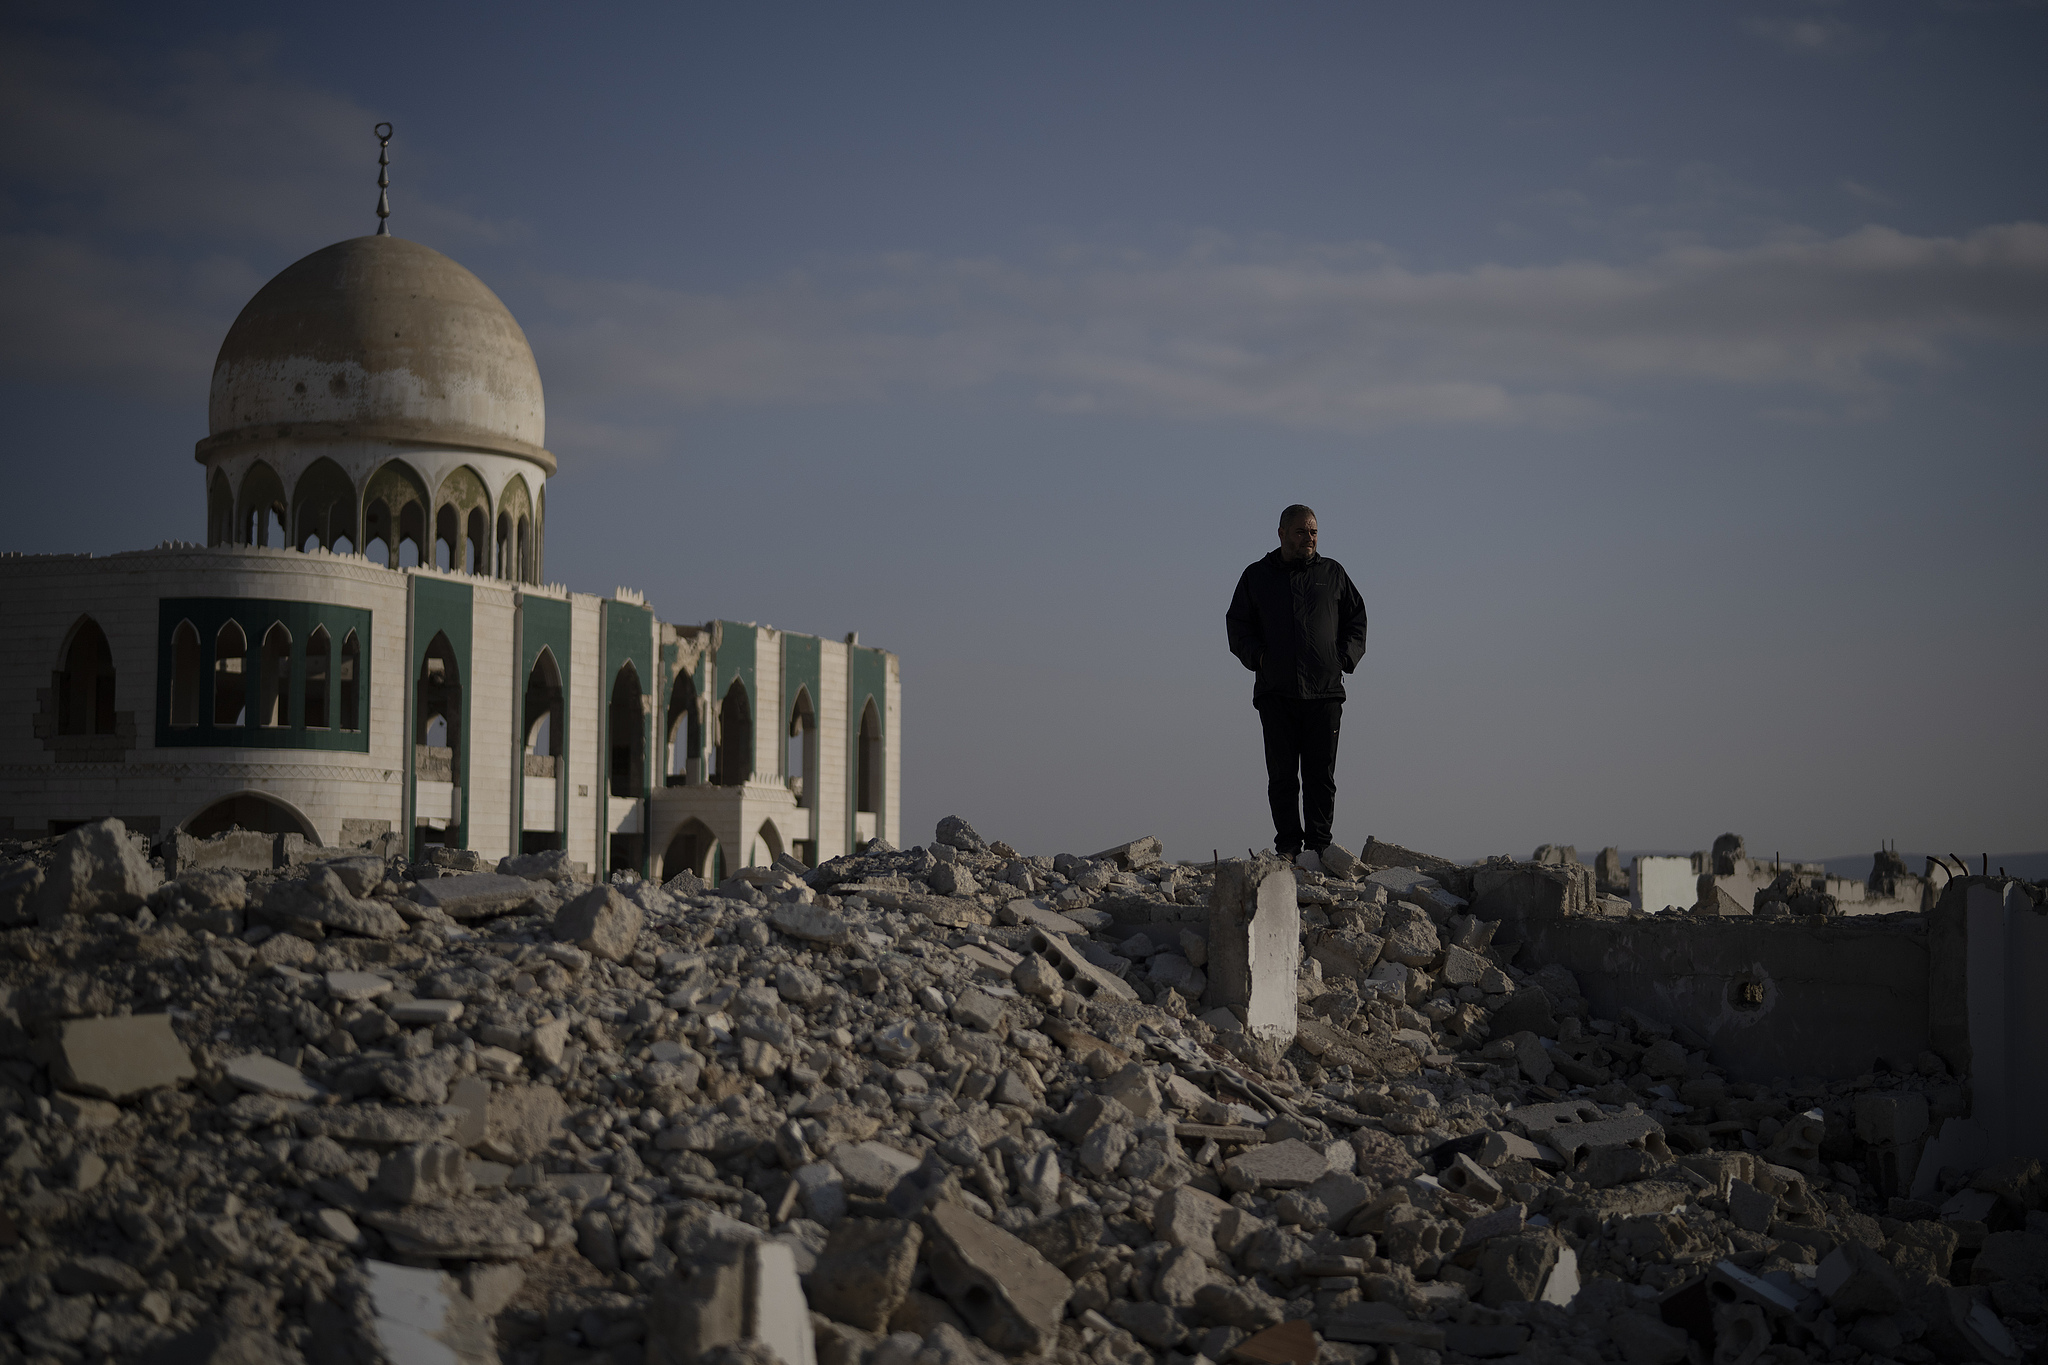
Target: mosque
{"type": "Point", "coordinates": [367, 644]}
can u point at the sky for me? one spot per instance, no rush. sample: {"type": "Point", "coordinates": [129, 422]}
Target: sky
{"type": "Point", "coordinates": [1669, 378]}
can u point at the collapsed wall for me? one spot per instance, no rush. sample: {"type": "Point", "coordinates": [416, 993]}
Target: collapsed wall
{"type": "Point", "coordinates": [955, 1104]}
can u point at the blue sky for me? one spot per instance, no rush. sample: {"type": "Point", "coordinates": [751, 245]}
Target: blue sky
{"type": "Point", "coordinates": [1668, 377]}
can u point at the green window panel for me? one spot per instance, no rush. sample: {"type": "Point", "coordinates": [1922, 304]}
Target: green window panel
{"type": "Point", "coordinates": [247, 672]}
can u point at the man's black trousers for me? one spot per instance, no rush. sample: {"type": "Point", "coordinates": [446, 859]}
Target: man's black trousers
{"type": "Point", "coordinates": [1301, 769]}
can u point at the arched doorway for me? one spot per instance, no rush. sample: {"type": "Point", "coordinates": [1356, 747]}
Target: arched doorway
{"type": "Point", "coordinates": [250, 810]}
{"type": "Point", "coordinates": [693, 848]}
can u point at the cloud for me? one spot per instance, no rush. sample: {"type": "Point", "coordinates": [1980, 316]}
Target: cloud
{"type": "Point", "coordinates": [1331, 337]}
{"type": "Point", "coordinates": [1813, 34]}
{"type": "Point", "coordinates": [204, 144]}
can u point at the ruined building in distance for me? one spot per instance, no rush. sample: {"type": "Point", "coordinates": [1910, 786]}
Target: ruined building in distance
{"type": "Point", "coordinates": [366, 644]}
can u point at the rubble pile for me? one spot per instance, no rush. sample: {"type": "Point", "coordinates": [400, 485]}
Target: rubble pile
{"type": "Point", "coordinates": [921, 1107]}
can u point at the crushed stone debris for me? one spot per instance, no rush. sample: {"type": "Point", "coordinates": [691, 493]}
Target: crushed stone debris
{"type": "Point", "coordinates": [932, 1106]}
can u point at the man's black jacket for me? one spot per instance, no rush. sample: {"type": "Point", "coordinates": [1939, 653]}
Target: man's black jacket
{"type": "Point", "coordinates": [1300, 627]}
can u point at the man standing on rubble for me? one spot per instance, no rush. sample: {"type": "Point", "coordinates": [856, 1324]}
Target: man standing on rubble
{"type": "Point", "coordinates": [1299, 624]}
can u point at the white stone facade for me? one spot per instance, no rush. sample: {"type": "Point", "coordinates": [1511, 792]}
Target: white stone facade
{"type": "Point", "coordinates": [340, 695]}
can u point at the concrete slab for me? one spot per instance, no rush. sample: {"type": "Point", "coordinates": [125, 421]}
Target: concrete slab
{"type": "Point", "coordinates": [117, 1057]}
{"type": "Point", "coordinates": [268, 1076]}
{"type": "Point", "coordinates": [473, 896]}
{"type": "Point", "coordinates": [1255, 946]}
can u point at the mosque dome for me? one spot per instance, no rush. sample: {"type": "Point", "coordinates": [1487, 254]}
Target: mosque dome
{"type": "Point", "coordinates": [378, 338]}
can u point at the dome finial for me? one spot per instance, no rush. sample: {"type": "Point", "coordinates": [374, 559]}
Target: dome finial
{"type": "Point", "coordinates": [383, 131]}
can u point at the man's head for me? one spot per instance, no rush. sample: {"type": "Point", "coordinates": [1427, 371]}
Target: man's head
{"type": "Point", "coordinates": [1298, 534]}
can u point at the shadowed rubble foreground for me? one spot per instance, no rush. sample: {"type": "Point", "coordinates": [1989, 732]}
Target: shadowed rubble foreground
{"type": "Point", "coordinates": [913, 1108]}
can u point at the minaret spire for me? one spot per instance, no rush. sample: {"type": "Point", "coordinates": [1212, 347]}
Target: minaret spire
{"type": "Point", "coordinates": [383, 131]}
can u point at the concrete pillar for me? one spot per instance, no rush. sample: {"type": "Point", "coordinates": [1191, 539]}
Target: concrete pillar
{"type": "Point", "coordinates": [1255, 946]}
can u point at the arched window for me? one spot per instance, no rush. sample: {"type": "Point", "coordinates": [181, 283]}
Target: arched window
{"type": "Point", "coordinates": [627, 726]}
{"type": "Point", "coordinates": [437, 725]}
{"type": "Point", "coordinates": [526, 574]}
{"type": "Point", "coordinates": [274, 680]}
{"type": "Point", "coordinates": [735, 737]}
{"type": "Point", "coordinates": [868, 779]}
{"type": "Point", "coordinates": [412, 536]}
{"type": "Point", "coordinates": [447, 536]}
{"type": "Point", "coordinates": [800, 756]}
{"type": "Point", "coordinates": [185, 675]}
{"type": "Point", "coordinates": [85, 689]}
{"type": "Point", "coordinates": [262, 508]}
{"type": "Point", "coordinates": [323, 506]}
{"type": "Point", "coordinates": [319, 652]}
{"type": "Point", "coordinates": [230, 677]}
{"type": "Point", "coordinates": [476, 544]}
{"type": "Point", "coordinates": [684, 731]}
{"type": "Point", "coordinates": [502, 552]}
{"type": "Point", "coordinates": [544, 717]}
{"type": "Point", "coordinates": [378, 533]}
{"type": "Point", "coordinates": [220, 510]}
{"type": "Point", "coordinates": [345, 678]}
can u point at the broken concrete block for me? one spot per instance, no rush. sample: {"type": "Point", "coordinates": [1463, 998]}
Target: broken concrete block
{"type": "Point", "coordinates": [601, 922]}
{"type": "Point", "coordinates": [1188, 1217]}
{"type": "Point", "coordinates": [1255, 946]}
{"type": "Point", "coordinates": [1855, 1280]}
{"type": "Point", "coordinates": [97, 869]}
{"type": "Point", "coordinates": [823, 1192]}
{"type": "Point", "coordinates": [777, 1315]}
{"type": "Point", "coordinates": [120, 1056]}
{"type": "Point", "coordinates": [417, 1012]}
{"type": "Point", "coordinates": [520, 1122]}
{"type": "Point", "coordinates": [1749, 1208]}
{"type": "Point", "coordinates": [979, 1010]}
{"type": "Point", "coordinates": [1135, 1089]}
{"type": "Point", "coordinates": [1647, 1340]}
{"type": "Point", "coordinates": [1899, 1118]}
{"type": "Point", "coordinates": [1009, 1295]}
{"type": "Point", "coordinates": [1339, 862]}
{"type": "Point", "coordinates": [1133, 855]}
{"type": "Point", "coordinates": [470, 1230]}
{"type": "Point", "coordinates": [356, 986]}
{"type": "Point", "coordinates": [1345, 953]}
{"type": "Point", "coordinates": [1505, 1221]}
{"type": "Point", "coordinates": [1276, 1166]}
{"type": "Point", "coordinates": [951, 879]}
{"type": "Point", "coordinates": [491, 1287]}
{"type": "Point", "coordinates": [473, 896]}
{"type": "Point", "coordinates": [865, 1271]}
{"type": "Point", "coordinates": [702, 1306]}
{"type": "Point", "coordinates": [1467, 1177]}
{"type": "Point", "coordinates": [1561, 1286]}
{"type": "Point", "coordinates": [1078, 974]}
{"type": "Point", "coordinates": [421, 1316]}
{"type": "Point", "coordinates": [1500, 1146]}
{"type": "Point", "coordinates": [2011, 1257]}
{"type": "Point", "coordinates": [268, 1076]}
{"type": "Point", "coordinates": [872, 1168]}
{"type": "Point", "coordinates": [425, 1173]}
{"type": "Point", "coordinates": [1516, 1269]}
